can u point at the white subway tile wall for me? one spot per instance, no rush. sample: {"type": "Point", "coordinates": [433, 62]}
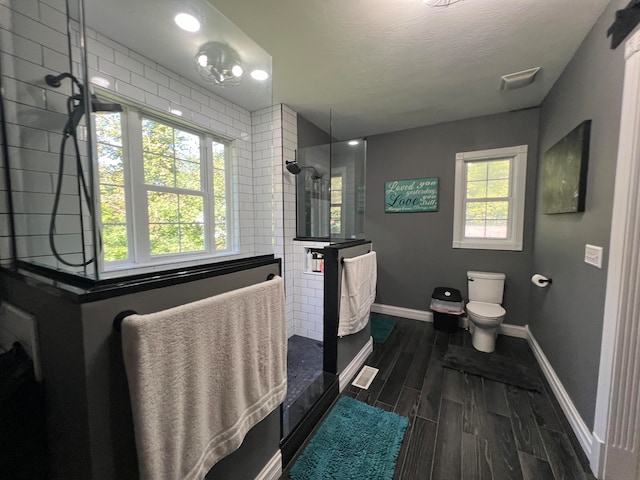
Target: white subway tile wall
{"type": "Point", "coordinates": [286, 220]}
{"type": "Point", "coordinates": [33, 45]}
{"type": "Point", "coordinates": [308, 294]}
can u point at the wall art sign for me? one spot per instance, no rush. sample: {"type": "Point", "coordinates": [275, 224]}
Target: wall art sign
{"type": "Point", "coordinates": [407, 196]}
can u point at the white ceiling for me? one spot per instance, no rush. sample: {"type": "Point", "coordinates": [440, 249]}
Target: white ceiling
{"type": "Point", "coordinates": [386, 65]}
{"type": "Point", "coordinates": [379, 65]}
{"type": "Point", "coordinates": [148, 28]}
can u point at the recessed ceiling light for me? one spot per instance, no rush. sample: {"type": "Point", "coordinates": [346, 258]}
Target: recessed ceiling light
{"type": "Point", "coordinates": [353, 142]}
{"type": "Point", "coordinates": [175, 111]}
{"type": "Point", "coordinates": [259, 75]}
{"type": "Point", "coordinates": [101, 82]}
{"type": "Point", "coordinates": [187, 22]}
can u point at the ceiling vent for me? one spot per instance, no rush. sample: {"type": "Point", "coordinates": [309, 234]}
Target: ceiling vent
{"type": "Point", "coordinates": [519, 79]}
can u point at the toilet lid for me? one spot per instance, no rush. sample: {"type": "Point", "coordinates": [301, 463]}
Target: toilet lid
{"type": "Point", "coordinates": [489, 310]}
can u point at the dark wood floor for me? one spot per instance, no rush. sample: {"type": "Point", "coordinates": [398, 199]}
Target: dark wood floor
{"type": "Point", "coordinates": [466, 427]}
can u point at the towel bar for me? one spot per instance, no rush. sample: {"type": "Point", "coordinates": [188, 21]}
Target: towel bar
{"type": "Point", "coordinates": [119, 318]}
{"type": "Point", "coordinates": [342, 258]}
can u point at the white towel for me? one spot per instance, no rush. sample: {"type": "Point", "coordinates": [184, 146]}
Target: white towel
{"type": "Point", "coordinates": [202, 375]}
{"type": "Point", "coordinates": [357, 292]}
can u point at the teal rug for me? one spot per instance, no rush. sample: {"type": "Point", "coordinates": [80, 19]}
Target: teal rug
{"type": "Point", "coordinates": [355, 441]}
{"type": "Point", "coordinates": [381, 327]}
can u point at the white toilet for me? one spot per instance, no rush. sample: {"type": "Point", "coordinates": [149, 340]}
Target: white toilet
{"type": "Point", "coordinates": [484, 309]}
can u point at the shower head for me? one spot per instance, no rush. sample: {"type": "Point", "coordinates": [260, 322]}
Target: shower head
{"type": "Point", "coordinates": [295, 168]}
{"type": "Point", "coordinates": [55, 80]}
{"type": "Point", "coordinates": [96, 106]}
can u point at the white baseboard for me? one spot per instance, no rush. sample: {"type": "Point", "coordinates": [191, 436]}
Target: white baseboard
{"type": "Point", "coordinates": [349, 372]}
{"type": "Point", "coordinates": [273, 469]}
{"type": "Point", "coordinates": [421, 315]}
{"type": "Point", "coordinates": [578, 426]}
{"type": "Point", "coordinates": [596, 461]}
{"type": "Point", "coordinates": [513, 330]}
{"type": "Point", "coordinates": [427, 316]}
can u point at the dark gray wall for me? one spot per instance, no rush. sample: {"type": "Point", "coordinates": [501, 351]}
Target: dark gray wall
{"type": "Point", "coordinates": [89, 420]}
{"type": "Point", "coordinates": [567, 317]}
{"type": "Point", "coordinates": [414, 249]}
{"type": "Point", "coordinates": [61, 358]}
{"type": "Point", "coordinates": [111, 429]}
{"type": "Point", "coordinates": [340, 351]}
{"type": "Point", "coordinates": [310, 135]}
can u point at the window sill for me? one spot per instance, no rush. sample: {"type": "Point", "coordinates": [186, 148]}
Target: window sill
{"type": "Point", "coordinates": [489, 245]}
{"type": "Point", "coordinates": [126, 268]}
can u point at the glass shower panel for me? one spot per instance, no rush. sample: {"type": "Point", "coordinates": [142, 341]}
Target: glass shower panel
{"type": "Point", "coordinates": [348, 170]}
{"type": "Point", "coordinates": [76, 69]}
{"type": "Point", "coordinates": [313, 185]}
{"type": "Point", "coordinates": [48, 143]}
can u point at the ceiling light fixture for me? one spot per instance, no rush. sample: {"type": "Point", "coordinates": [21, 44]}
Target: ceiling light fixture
{"type": "Point", "coordinates": [187, 22]}
{"type": "Point", "coordinates": [218, 63]}
{"type": "Point", "coordinates": [260, 75]}
{"type": "Point", "coordinates": [440, 3]}
{"type": "Point", "coordinates": [177, 112]}
{"type": "Point", "coordinates": [353, 142]}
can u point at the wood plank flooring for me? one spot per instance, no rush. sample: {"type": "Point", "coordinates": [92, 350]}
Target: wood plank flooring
{"type": "Point", "coordinates": [466, 427]}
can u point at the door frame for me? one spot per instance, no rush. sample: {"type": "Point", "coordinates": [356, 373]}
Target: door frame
{"type": "Point", "coordinates": [617, 416]}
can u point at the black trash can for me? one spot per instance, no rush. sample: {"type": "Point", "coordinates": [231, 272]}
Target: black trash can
{"type": "Point", "coordinates": [447, 307]}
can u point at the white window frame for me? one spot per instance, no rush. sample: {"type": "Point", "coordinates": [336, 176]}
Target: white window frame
{"type": "Point", "coordinates": [338, 172]}
{"type": "Point", "coordinates": [139, 249]}
{"type": "Point", "coordinates": [517, 186]}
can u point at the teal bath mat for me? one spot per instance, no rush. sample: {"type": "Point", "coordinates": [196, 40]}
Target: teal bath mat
{"type": "Point", "coordinates": [355, 441]}
{"type": "Point", "coordinates": [381, 327]}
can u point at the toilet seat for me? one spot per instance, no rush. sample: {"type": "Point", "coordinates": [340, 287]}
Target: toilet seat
{"type": "Point", "coordinates": [488, 311]}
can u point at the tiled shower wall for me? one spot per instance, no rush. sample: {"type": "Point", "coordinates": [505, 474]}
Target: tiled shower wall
{"type": "Point", "coordinates": [275, 220]}
{"type": "Point", "coordinates": [308, 293]}
{"type": "Point", "coordinates": [286, 212]}
{"type": "Point", "coordinates": [34, 43]}
{"type": "Point", "coordinates": [33, 36]}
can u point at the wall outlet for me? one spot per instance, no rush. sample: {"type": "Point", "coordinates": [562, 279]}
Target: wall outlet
{"type": "Point", "coordinates": [593, 255]}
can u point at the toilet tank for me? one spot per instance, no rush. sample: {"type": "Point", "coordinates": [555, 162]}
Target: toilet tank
{"type": "Point", "coordinates": [485, 287]}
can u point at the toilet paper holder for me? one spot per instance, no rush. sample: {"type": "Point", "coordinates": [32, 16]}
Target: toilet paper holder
{"type": "Point", "coordinates": [540, 280]}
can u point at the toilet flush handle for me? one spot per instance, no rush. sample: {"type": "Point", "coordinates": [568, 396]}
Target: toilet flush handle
{"type": "Point", "coordinates": [471, 279]}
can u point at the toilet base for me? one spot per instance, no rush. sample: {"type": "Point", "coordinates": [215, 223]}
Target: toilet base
{"type": "Point", "coordinates": [484, 339]}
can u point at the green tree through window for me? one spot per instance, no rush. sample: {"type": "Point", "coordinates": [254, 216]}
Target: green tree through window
{"type": "Point", "coordinates": [112, 186]}
{"type": "Point", "coordinates": [181, 178]}
{"type": "Point", "coordinates": [487, 199]}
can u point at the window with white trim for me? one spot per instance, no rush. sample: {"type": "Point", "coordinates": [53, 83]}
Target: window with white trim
{"type": "Point", "coordinates": [164, 190]}
{"type": "Point", "coordinates": [489, 199]}
{"type": "Point", "coordinates": [335, 213]}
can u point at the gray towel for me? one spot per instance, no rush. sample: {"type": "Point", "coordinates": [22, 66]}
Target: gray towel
{"type": "Point", "coordinates": [202, 375]}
